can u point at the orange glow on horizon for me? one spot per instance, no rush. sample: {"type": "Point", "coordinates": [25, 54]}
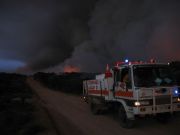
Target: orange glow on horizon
{"type": "Point", "coordinates": [70, 69]}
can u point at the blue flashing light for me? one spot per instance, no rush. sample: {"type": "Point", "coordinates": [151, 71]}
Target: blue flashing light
{"type": "Point", "coordinates": [176, 91]}
{"type": "Point", "coordinates": [126, 60]}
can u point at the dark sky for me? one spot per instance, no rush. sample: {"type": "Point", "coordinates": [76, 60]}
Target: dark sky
{"type": "Point", "coordinates": [47, 35]}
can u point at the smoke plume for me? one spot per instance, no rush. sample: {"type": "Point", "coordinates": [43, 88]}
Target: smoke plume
{"type": "Point", "coordinates": [49, 35]}
{"type": "Point", "coordinates": [138, 30]}
{"type": "Point", "coordinates": [43, 33]}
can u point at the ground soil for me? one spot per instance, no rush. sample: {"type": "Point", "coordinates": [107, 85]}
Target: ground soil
{"type": "Point", "coordinates": [72, 116]}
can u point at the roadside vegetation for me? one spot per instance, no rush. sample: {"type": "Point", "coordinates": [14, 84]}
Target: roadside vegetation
{"type": "Point", "coordinates": [19, 112]}
{"type": "Point", "coordinates": [65, 82]}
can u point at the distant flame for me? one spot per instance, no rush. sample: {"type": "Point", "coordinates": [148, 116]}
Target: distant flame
{"type": "Point", "coordinates": [70, 69]}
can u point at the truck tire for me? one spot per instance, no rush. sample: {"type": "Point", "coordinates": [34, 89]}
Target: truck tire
{"type": "Point", "coordinates": [123, 120]}
{"type": "Point", "coordinates": [93, 107]}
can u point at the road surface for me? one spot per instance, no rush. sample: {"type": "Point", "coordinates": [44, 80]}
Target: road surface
{"type": "Point", "coordinates": [72, 116]}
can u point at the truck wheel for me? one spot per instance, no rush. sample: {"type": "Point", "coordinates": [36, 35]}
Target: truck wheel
{"type": "Point", "coordinates": [123, 120]}
{"type": "Point", "coordinates": [93, 106]}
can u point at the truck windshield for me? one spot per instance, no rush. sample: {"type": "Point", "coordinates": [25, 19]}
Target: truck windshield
{"type": "Point", "coordinates": [152, 75]}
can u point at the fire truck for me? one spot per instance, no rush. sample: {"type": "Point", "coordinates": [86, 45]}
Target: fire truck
{"type": "Point", "coordinates": [132, 90]}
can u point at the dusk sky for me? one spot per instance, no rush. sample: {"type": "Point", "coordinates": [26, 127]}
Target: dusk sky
{"type": "Point", "coordinates": [49, 35]}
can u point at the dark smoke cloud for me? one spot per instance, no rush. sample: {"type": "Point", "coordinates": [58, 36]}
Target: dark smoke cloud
{"type": "Point", "coordinates": [138, 30]}
{"type": "Point", "coordinates": [42, 33]}
{"type": "Point", "coordinates": [48, 35]}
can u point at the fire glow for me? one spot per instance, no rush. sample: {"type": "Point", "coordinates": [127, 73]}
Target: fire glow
{"type": "Point", "coordinates": [70, 69]}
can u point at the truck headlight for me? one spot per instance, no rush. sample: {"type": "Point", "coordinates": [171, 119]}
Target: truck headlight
{"type": "Point", "coordinates": [139, 103]}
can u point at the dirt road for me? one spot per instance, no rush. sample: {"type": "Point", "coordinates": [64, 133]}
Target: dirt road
{"type": "Point", "coordinates": [72, 116]}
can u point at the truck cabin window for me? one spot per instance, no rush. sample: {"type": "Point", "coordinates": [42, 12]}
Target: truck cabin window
{"type": "Point", "coordinates": [126, 77]}
{"type": "Point", "coordinates": [152, 75]}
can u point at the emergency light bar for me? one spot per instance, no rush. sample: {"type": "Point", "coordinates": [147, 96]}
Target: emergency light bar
{"type": "Point", "coordinates": [126, 61]}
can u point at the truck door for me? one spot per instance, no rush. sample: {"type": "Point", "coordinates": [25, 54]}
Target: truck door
{"type": "Point", "coordinates": [123, 86]}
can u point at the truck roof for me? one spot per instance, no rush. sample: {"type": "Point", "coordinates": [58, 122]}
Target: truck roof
{"type": "Point", "coordinates": [143, 64]}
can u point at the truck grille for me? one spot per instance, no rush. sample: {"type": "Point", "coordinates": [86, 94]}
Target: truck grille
{"type": "Point", "coordinates": [166, 99]}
